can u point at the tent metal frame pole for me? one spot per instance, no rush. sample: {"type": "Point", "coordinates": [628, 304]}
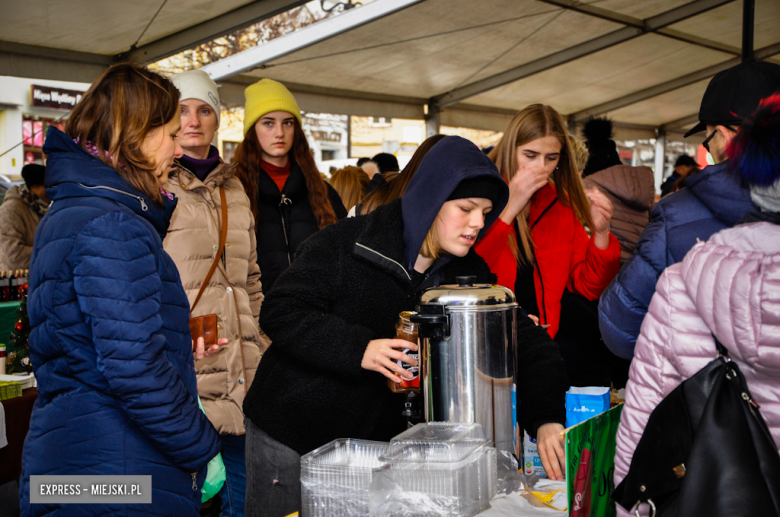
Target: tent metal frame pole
{"type": "Point", "coordinates": [654, 91]}
{"type": "Point", "coordinates": [260, 55]}
{"type": "Point", "coordinates": [432, 121]}
{"type": "Point", "coordinates": [748, 17]}
{"type": "Point", "coordinates": [671, 85]}
{"type": "Point", "coordinates": [660, 158]}
{"type": "Point", "coordinates": [578, 51]}
{"type": "Point", "coordinates": [209, 30]}
{"type": "Point", "coordinates": [612, 16]}
{"type": "Point", "coordinates": [681, 122]}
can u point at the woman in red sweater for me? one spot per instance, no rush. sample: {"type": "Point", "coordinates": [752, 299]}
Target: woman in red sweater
{"type": "Point", "coordinates": [547, 208]}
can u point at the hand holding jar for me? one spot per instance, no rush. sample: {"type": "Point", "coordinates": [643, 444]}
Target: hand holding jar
{"type": "Point", "coordinates": [384, 356]}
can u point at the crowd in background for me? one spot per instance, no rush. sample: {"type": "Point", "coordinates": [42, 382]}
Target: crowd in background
{"type": "Point", "coordinates": [136, 225]}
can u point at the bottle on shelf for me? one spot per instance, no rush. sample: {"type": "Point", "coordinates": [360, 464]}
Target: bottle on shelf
{"type": "Point", "coordinates": [22, 285]}
{"type": "Point", "coordinates": [14, 286]}
{"type": "Point", "coordinates": [5, 287]}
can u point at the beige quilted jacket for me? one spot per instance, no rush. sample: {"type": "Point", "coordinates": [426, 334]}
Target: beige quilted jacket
{"type": "Point", "coordinates": [18, 222]}
{"type": "Point", "coordinates": [632, 193]}
{"type": "Point", "coordinates": [234, 292]}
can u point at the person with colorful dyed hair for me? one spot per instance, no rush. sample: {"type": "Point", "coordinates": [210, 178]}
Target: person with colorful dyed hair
{"type": "Point", "coordinates": [726, 287]}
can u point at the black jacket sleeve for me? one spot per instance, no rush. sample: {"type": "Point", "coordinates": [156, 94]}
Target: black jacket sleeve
{"type": "Point", "coordinates": [541, 374]}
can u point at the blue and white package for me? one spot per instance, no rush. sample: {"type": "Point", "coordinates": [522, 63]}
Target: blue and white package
{"type": "Point", "coordinates": [585, 403]}
{"type": "Point", "coordinates": [532, 462]}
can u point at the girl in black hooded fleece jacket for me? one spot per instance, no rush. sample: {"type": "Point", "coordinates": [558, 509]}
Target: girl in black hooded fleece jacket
{"type": "Point", "coordinates": [325, 374]}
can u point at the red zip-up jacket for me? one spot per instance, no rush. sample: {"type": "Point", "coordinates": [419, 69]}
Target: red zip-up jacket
{"type": "Point", "coordinates": [565, 256]}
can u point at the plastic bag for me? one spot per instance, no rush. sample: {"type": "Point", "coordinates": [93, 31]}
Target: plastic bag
{"type": "Point", "coordinates": [510, 477]}
{"type": "Point", "coordinates": [435, 489]}
{"type": "Point", "coordinates": [585, 403]}
{"type": "Point", "coordinates": [512, 480]}
{"type": "Point", "coordinates": [389, 499]}
{"type": "Point", "coordinates": [215, 475]}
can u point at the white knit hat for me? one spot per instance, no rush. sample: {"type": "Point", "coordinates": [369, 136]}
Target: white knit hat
{"type": "Point", "coordinates": [197, 84]}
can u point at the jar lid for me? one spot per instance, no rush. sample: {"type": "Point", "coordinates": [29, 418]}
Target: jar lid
{"type": "Point", "coordinates": [467, 294]}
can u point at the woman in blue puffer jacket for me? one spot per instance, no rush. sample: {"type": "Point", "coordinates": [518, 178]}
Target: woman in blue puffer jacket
{"type": "Point", "coordinates": [110, 342]}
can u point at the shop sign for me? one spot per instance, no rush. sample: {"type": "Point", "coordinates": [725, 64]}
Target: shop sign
{"type": "Point", "coordinates": [326, 136]}
{"type": "Point", "coordinates": [56, 98]}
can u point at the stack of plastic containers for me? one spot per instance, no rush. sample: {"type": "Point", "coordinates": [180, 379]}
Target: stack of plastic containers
{"type": "Point", "coordinates": [335, 478]}
{"type": "Point", "coordinates": [435, 469]}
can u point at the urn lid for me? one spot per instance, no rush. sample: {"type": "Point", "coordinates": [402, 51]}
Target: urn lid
{"type": "Point", "coordinates": [467, 294]}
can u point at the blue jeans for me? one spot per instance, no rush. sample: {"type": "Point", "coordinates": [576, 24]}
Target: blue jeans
{"type": "Point", "coordinates": [232, 493]}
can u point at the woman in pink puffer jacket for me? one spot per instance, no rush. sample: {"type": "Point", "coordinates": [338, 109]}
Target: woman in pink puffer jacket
{"type": "Point", "coordinates": [729, 287]}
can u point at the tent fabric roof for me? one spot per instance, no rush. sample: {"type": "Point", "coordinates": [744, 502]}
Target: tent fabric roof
{"type": "Point", "coordinates": [437, 46]}
{"type": "Point", "coordinates": [481, 61]}
{"type": "Point", "coordinates": [103, 27]}
{"type": "Point", "coordinates": [84, 31]}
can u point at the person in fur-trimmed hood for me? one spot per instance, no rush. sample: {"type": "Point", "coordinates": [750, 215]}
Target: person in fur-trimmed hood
{"type": "Point", "coordinates": [631, 190]}
{"type": "Point", "coordinates": [331, 314]}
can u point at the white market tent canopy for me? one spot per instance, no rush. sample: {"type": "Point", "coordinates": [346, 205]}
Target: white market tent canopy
{"type": "Point", "coordinates": [643, 63]}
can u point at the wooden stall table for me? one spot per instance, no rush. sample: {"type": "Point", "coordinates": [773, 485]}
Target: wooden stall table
{"type": "Point", "coordinates": [17, 422]}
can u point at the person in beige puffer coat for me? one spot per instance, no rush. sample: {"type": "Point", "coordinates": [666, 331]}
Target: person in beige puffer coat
{"type": "Point", "coordinates": [234, 292]}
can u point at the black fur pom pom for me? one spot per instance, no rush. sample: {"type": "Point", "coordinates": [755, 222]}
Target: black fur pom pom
{"type": "Point", "coordinates": [597, 130]}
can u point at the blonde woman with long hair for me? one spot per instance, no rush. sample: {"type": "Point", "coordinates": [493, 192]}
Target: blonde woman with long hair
{"type": "Point", "coordinates": [350, 182]}
{"type": "Point", "coordinates": [538, 246]}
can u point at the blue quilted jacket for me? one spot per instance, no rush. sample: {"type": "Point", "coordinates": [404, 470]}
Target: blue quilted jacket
{"type": "Point", "coordinates": [713, 200]}
{"type": "Point", "coordinates": [110, 343]}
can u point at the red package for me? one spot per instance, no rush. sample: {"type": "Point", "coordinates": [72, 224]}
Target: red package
{"type": "Point", "coordinates": [582, 481]}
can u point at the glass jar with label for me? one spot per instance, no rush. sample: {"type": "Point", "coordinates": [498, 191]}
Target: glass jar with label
{"type": "Point", "coordinates": [407, 331]}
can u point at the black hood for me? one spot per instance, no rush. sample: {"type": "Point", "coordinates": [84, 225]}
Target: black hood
{"type": "Point", "coordinates": [449, 162]}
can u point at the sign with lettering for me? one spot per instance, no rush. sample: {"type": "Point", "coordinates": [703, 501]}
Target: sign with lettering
{"type": "Point", "coordinates": [52, 97]}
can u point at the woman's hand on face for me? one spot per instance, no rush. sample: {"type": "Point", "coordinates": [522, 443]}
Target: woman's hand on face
{"type": "Point", "coordinates": [600, 210]}
{"type": "Point", "coordinates": [526, 182]}
{"type": "Point", "coordinates": [382, 355]}
{"type": "Point", "coordinates": [199, 350]}
{"type": "Point", "coordinates": [551, 450]}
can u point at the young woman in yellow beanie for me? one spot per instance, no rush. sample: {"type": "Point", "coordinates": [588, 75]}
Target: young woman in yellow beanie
{"type": "Point", "coordinates": [288, 197]}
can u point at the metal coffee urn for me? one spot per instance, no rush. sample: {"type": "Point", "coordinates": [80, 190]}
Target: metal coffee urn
{"type": "Point", "coordinates": [468, 338]}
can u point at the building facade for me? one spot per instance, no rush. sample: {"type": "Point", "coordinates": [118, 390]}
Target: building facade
{"type": "Point", "coordinates": [27, 108]}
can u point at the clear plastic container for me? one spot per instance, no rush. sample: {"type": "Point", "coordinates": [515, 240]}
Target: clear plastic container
{"type": "Point", "coordinates": [335, 478]}
{"type": "Point", "coordinates": [435, 469]}
{"type": "Point", "coordinates": [435, 442]}
{"type": "Point", "coordinates": [460, 489]}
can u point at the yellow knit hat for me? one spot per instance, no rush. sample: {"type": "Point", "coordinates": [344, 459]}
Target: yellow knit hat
{"type": "Point", "coordinates": [266, 96]}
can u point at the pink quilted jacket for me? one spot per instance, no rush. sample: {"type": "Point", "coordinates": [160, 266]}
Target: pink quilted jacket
{"type": "Point", "coordinates": [729, 286]}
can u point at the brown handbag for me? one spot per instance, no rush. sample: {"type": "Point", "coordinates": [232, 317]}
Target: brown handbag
{"type": "Point", "coordinates": [206, 326]}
